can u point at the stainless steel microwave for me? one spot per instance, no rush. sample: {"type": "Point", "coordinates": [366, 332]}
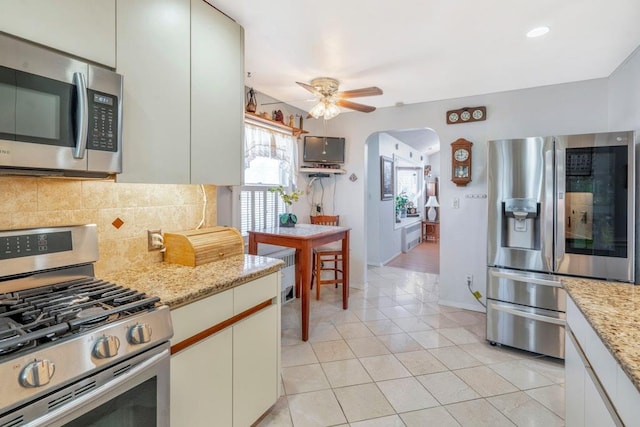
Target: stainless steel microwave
{"type": "Point", "coordinates": [58, 115]}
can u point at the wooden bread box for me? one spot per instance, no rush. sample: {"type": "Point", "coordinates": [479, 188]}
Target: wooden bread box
{"type": "Point", "coordinates": [197, 247]}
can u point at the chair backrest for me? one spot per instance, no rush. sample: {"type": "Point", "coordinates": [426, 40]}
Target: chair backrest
{"type": "Point", "coordinates": [325, 219]}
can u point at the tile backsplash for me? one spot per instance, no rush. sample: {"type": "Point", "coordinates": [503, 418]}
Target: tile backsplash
{"type": "Point", "coordinates": [27, 202]}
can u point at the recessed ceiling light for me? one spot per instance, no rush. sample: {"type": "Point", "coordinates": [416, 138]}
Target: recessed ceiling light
{"type": "Point", "coordinates": [537, 32]}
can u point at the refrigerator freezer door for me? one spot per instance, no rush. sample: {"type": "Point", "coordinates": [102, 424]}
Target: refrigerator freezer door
{"type": "Point", "coordinates": [520, 199]}
{"type": "Point", "coordinates": [526, 288]}
{"type": "Point", "coordinates": [532, 329]}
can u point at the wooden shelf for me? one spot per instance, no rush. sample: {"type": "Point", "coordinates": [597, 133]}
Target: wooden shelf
{"type": "Point", "coordinates": [305, 169]}
{"type": "Point", "coordinates": [259, 119]}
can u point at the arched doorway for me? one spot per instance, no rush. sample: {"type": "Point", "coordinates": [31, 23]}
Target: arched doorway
{"type": "Point", "coordinates": [412, 149]}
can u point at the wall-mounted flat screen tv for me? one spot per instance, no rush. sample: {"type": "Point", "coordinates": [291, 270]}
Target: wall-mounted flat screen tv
{"type": "Point", "coordinates": [323, 149]}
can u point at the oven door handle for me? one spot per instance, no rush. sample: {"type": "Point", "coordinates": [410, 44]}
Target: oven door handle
{"type": "Point", "coordinates": [519, 278]}
{"type": "Point", "coordinates": [527, 315]}
{"type": "Point", "coordinates": [65, 410]}
{"type": "Point", "coordinates": [82, 115]}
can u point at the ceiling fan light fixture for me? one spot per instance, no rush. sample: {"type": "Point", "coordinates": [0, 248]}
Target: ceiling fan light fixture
{"type": "Point", "coordinates": [330, 99]}
{"type": "Point", "coordinates": [326, 109]}
{"type": "Point", "coordinates": [331, 111]}
{"type": "Point", "coordinates": [318, 110]}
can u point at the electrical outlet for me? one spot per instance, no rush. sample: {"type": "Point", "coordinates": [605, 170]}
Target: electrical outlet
{"type": "Point", "coordinates": [154, 239]}
{"type": "Point", "coordinates": [455, 203]}
{"type": "Point", "coordinates": [469, 278]}
{"type": "Point", "coordinates": [318, 208]}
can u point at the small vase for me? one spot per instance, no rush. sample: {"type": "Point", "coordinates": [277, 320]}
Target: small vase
{"type": "Point", "coordinates": [251, 103]}
{"type": "Point", "coordinates": [288, 220]}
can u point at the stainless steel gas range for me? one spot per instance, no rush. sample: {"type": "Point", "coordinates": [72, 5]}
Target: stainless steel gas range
{"type": "Point", "coordinates": [76, 350]}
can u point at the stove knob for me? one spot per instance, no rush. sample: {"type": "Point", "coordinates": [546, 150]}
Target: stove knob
{"type": "Point", "coordinates": [37, 373]}
{"type": "Point", "coordinates": [106, 347]}
{"type": "Point", "coordinates": [139, 333]}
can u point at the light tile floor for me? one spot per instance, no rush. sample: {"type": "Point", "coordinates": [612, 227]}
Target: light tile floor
{"type": "Point", "coordinates": [397, 358]}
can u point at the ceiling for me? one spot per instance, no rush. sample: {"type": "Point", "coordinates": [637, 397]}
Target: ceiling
{"type": "Point", "coordinates": [428, 50]}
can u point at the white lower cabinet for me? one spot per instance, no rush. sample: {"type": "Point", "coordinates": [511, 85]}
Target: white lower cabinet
{"type": "Point", "coordinates": [231, 377]}
{"type": "Point", "coordinates": [592, 386]}
{"type": "Point", "coordinates": [575, 372]}
{"type": "Point", "coordinates": [255, 388]}
{"type": "Point", "coordinates": [201, 378]}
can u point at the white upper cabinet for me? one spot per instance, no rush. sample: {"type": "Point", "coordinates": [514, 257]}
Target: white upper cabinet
{"type": "Point", "coordinates": [153, 55]}
{"type": "Point", "coordinates": [84, 28]}
{"type": "Point", "coordinates": [183, 67]}
{"type": "Point", "coordinates": [217, 96]}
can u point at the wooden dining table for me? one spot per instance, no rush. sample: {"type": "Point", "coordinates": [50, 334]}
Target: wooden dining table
{"type": "Point", "coordinates": [304, 238]}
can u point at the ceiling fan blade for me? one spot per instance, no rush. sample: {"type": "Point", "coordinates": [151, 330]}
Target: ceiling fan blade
{"type": "Point", "coordinates": [365, 91]}
{"type": "Point", "coordinates": [311, 89]}
{"type": "Point", "coordinates": [355, 106]}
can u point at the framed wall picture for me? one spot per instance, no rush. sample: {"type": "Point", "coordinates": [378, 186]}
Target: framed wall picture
{"type": "Point", "coordinates": [386, 178]}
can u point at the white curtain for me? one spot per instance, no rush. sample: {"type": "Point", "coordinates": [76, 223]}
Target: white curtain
{"type": "Point", "coordinates": [272, 144]}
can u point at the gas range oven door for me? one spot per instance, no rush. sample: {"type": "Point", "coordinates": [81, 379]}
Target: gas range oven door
{"type": "Point", "coordinates": [132, 393]}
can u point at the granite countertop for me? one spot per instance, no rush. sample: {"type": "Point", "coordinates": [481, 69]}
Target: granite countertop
{"type": "Point", "coordinates": [301, 230]}
{"type": "Point", "coordinates": [178, 285]}
{"type": "Point", "coordinates": [613, 310]}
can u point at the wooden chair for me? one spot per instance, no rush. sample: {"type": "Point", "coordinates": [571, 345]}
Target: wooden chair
{"type": "Point", "coordinates": [326, 258]}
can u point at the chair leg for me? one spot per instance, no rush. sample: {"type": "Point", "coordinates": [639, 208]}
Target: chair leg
{"type": "Point", "coordinates": [318, 272]}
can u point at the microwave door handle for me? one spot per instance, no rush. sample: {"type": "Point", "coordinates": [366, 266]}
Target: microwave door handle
{"type": "Point", "coordinates": [82, 115]}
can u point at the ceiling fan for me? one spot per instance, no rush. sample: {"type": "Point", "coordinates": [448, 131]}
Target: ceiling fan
{"type": "Point", "coordinates": [329, 99]}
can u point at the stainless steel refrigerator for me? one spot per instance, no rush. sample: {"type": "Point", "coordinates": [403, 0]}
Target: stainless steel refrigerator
{"type": "Point", "coordinates": [560, 205]}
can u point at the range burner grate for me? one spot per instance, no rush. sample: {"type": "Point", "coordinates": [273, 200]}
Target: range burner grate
{"type": "Point", "coordinates": [39, 315]}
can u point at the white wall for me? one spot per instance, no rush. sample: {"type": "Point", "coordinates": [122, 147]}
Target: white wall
{"type": "Point", "coordinates": [373, 208]}
{"type": "Point", "coordinates": [383, 239]}
{"type": "Point", "coordinates": [624, 95]}
{"type": "Point", "coordinates": [434, 161]}
{"type": "Point", "coordinates": [568, 108]}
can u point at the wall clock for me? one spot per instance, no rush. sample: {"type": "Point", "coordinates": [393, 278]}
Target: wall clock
{"type": "Point", "coordinates": [466, 115]}
{"type": "Point", "coordinates": [461, 162]}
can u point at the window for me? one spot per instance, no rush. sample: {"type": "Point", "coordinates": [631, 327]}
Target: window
{"type": "Point", "coordinates": [270, 159]}
{"type": "Point", "coordinates": [259, 208]}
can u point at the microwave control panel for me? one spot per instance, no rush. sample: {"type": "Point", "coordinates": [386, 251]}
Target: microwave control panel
{"type": "Point", "coordinates": [103, 121]}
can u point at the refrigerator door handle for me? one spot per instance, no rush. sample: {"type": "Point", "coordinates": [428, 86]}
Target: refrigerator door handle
{"type": "Point", "coordinates": [560, 206]}
{"type": "Point", "coordinates": [526, 279]}
{"type": "Point", "coordinates": [549, 209]}
{"type": "Point", "coordinates": [532, 316]}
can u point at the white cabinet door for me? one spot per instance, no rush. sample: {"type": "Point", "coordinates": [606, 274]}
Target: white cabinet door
{"type": "Point", "coordinates": [597, 408]}
{"type": "Point", "coordinates": [255, 366]}
{"type": "Point", "coordinates": [201, 383]}
{"type": "Point", "coordinates": [574, 371]}
{"type": "Point", "coordinates": [85, 28]}
{"type": "Point", "coordinates": [153, 48]}
{"type": "Point", "coordinates": [233, 375]}
{"type": "Point", "coordinates": [217, 97]}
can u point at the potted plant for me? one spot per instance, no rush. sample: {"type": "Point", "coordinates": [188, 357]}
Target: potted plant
{"type": "Point", "coordinates": [287, 219]}
{"type": "Point", "coordinates": [401, 206]}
